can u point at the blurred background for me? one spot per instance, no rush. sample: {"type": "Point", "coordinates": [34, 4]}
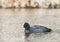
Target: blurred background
{"type": "Point", "coordinates": [31, 3]}
{"type": "Point", "coordinates": [14, 13]}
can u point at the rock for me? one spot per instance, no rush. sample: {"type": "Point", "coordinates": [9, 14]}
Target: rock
{"type": "Point", "coordinates": [28, 4]}
{"type": "Point", "coordinates": [44, 3]}
{"type": "Point", "coordinates": [17, 4]}
{"type": "Point", "coordinates": [7, 3]}
{"type": "Point", "coordinates": [0, 4]}
{"type": "Point", "coordinates": [35, 4]}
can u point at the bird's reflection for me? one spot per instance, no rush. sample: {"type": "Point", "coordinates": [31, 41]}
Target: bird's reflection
{"type": "Point", "coordinates": [35, 34]}
{"type": "Point", "coordinates": [27, 35]}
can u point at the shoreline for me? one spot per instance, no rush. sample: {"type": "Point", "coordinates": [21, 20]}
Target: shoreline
{"type": "Point", "coordinates": [26, 8]}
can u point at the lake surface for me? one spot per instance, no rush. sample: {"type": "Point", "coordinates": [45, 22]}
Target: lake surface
{"type": "Point", "coordinates": [12, 20]}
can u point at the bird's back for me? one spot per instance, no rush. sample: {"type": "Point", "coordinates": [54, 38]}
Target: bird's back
{"type": "Point", "coordinates": [38, 29]}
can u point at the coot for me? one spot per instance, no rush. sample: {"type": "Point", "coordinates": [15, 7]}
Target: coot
{"type": "Point", "coordinates": [35, 29]}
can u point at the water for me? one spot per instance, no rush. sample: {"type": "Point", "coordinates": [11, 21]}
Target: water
{"type": "Point", "coordinates": [12, 20]}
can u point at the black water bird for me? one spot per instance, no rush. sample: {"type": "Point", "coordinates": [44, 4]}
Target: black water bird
{"type": "Point", "coordinates": [35, 29]}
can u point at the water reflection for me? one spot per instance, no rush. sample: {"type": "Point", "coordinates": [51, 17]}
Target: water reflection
{"type": "Point", "coordinates": [27, 35]}
{"type": "Point", "coordinates": [12, 20]}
